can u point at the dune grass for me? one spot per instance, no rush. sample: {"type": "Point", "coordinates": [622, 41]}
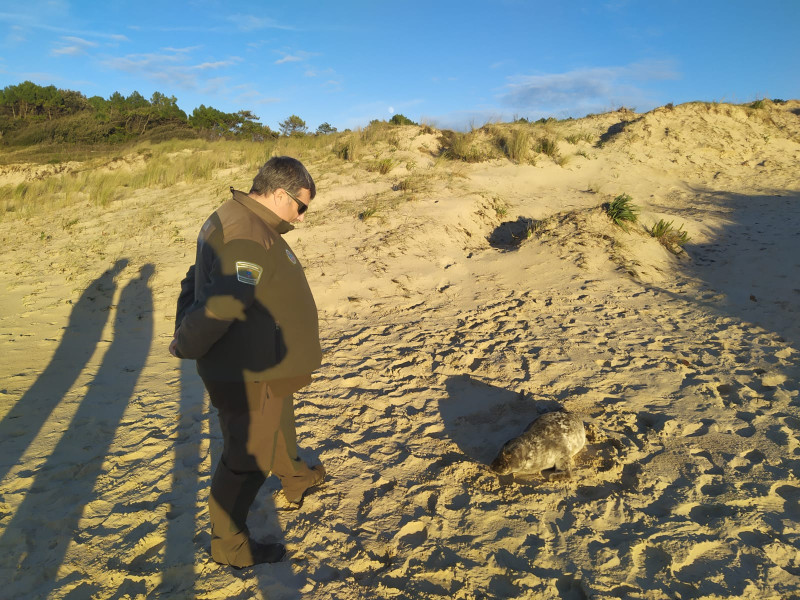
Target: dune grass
{"type": "Point", "coordinates": [462, 146]}
{"type": "Point", "coordinates": [621, 210]}
{"type": "Point", "coordinates": [548, 146]}
{"type": "Point", "coordinates": [382, 166]}
{"type": "Point", "coordinates": [516, 144]}
{"type": "Point", "coordinates": [671, 238]}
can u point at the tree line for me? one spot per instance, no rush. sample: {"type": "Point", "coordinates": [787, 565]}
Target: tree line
{"type": "Point", "coordinates": [31, 114]}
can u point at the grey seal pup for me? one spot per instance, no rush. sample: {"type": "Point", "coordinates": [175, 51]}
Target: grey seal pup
{"type": "Point", "coordinates": [551, 440]}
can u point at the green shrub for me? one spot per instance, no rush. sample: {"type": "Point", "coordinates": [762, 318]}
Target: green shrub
{"type": "Point", "coordinates": [399, 119]}
{"type": "Point", "coordinates": [622, 210]}
{"type": "Point", "coordinates": [669, 237]}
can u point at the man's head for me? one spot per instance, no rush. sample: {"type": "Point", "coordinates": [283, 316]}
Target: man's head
{"type": "Point", "coordinates": [284, 186]}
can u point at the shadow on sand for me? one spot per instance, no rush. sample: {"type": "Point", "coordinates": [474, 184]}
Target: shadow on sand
{"type": "Point", "coordinates": [81, 336]}
{"type": "Point", "coordinates": [753, 261]}
{"type": "Point", "coordinates": [479, 418]}
{"type": "Point", "coordinates": [47, 519]}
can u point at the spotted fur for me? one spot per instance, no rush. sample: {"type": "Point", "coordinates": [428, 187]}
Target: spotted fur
{"type": "Point", "coordinates": [551, 440]}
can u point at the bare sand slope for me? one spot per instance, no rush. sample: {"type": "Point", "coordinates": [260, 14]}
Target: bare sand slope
{"type": "Point", "coordinates": [443, 338]}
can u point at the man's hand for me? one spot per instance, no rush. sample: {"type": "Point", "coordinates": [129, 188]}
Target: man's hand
{"type": "Point", "coordinates": [173, 346]}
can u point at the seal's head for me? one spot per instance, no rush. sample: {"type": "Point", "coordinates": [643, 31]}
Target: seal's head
{"type": "Point", "coordinates": [509, 457]}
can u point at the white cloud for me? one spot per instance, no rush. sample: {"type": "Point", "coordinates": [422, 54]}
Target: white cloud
{"type": "Point", "coordinates": [253, 23]}
{"type": "Point", "coordinates": [216, 64]}
{"type": "Point", "coordinates": [254, 97]}
{"type": "Point", "coordinates": [288, 58]}
{"type": "Point", "coordinates": [169, 68]}
{"type": "Point", "coordinates": [298, 56]}
{"type": "Point", "coordinates": [312, 72]}
{"type": "Point", "coordinates": [72, 46]}
{"type": "Point", "coordinates": [578, 92]}
{"type": "Point", "coordinates": [185, 50]}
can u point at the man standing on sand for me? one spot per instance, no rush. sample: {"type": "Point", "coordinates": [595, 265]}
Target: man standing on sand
{"type": "Point", "coordinates": [246, 314]}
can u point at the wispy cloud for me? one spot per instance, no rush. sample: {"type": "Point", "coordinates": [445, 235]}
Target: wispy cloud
{"type": "Point", "coordinates": [298, 56]}
{"type": "Point", "coordinates": [254, 23]}
{"type": "Point", "coordinates": [34, 19]}
{"type": "Point", "coordinates": [168, 67]}
{"type": "Point", "coordinates": [219, 64]}
{"type": "Point", "coordinates": [255, 97]}
{"type": "Point", "coordinates": [72, 46]}
{"type": "Point", "coordinates": [585, 90]}
{"type": "Point", "coordinates": [287, 58]}
{"type": "Point", "coordinates": [185, 50]}
{"type": "Point", "coordinates": [312, 72]}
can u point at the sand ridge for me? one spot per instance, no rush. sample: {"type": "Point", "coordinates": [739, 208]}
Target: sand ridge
{"type": "Point", "coordinates": [438, 347]}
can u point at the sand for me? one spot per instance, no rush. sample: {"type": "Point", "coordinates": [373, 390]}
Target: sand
{"type": "Point", "coordinates": [440, 343]}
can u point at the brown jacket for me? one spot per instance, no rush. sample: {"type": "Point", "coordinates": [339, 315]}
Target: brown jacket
{"type": "Point", "coordinates": [246, 312]}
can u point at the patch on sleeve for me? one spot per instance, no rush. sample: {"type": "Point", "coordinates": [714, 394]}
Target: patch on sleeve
{"type": "Point", "coordinates": [249, 273]}
{"type": "Point", "coordinates": [291, 256]}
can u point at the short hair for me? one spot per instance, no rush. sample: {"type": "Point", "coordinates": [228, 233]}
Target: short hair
{"type": "Point", "coordinates": [282, 172]}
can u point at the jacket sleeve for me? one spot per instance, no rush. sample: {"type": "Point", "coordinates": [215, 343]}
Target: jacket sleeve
{"type": "Point", "coordinates": [230, 290]}
{"type": "Point", "coordinates": [186, 298]}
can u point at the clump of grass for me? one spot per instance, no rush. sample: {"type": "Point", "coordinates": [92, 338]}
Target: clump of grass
{"type": "Point", "coordinates": [562, 161]}
{"type": "Point", "coordinates": [757, 104]}
{"type": "Point", "coordinates": [621, 210]}
{"type": "Point", "coordinates": [669, 237]}
{"type": "Point", "coordinates": [515, 145]}
{"type": "Point", "coordinates": [547, 146]}
{"type": "Point", "coordinates": [382, 166]}
{"type": "Point", "coordinates": [416, 183]}
{"type": "Point", "coordinates": [348, 148]}
{"type": "Point", "coordinates": [367, 213]}
{"type": "Point", "coordinates": [574, 138]}
{"type": "Point", "coordinates": [22, 191]}
{"type": "Point", "coordinates": [461, 146]}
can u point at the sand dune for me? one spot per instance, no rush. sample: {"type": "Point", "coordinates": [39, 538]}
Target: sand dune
{"type": "Point", "coordinates": [443, 338]}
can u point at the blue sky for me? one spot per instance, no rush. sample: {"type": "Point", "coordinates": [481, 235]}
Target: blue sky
{"type": "Point", "coordinates": [451, 64]}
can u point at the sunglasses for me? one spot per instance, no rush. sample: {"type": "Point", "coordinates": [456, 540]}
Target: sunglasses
{"type": "Point", "coordinates": [301, 208]}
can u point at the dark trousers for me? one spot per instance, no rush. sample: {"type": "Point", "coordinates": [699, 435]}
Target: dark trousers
{"type": "Point", "coordinates": [259, 436]}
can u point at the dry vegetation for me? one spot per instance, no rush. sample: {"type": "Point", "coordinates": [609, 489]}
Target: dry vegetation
{"type": "Point", "coordinates": [465, 281]}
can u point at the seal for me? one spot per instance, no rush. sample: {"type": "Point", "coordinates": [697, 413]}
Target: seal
{"type": "Point", "coordinates": [551, 440]}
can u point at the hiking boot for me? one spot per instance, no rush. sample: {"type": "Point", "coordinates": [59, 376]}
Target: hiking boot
{"type": "Point", "coordinates": [296, 487]}
{"type": "Point", "coordinates": [251, 553]}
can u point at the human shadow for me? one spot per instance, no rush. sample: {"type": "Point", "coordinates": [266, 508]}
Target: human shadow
{"type": "Point", "coordinates": [751, 259]}
{"type": "Point", "coordinates": [178, 574]}
{"type": "Point", "coordinates": [46, 520]}
{"type": "Point", "coordinates": [81, 336]}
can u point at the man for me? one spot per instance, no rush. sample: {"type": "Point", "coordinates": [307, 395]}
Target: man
{"type": "Point", "coordinates": [246, 314]}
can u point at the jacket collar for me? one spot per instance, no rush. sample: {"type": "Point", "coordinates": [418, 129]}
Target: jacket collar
{"type": "Point", "coordinates": [262, 212]}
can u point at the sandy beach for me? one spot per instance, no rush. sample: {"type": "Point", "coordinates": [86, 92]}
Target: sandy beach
{"type": "Point", "coordinates": [468, 299]}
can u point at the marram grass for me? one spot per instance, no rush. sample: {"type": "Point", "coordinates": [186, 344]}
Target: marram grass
{"type": "Point", "coordinates": [621, 210]}
{"type": "Point", "coordinates": [671, 238]}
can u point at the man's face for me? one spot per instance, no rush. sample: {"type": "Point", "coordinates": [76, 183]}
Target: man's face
{"type": "Point", "coordinates": [289, 206]}
{"type": "Point", "coordinates": [300, 204]}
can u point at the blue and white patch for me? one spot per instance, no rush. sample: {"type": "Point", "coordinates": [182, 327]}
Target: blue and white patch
{"type": "Point", "coordinates": [249, 273]}
{"type": "Point", "coordinates": [291, 256]}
